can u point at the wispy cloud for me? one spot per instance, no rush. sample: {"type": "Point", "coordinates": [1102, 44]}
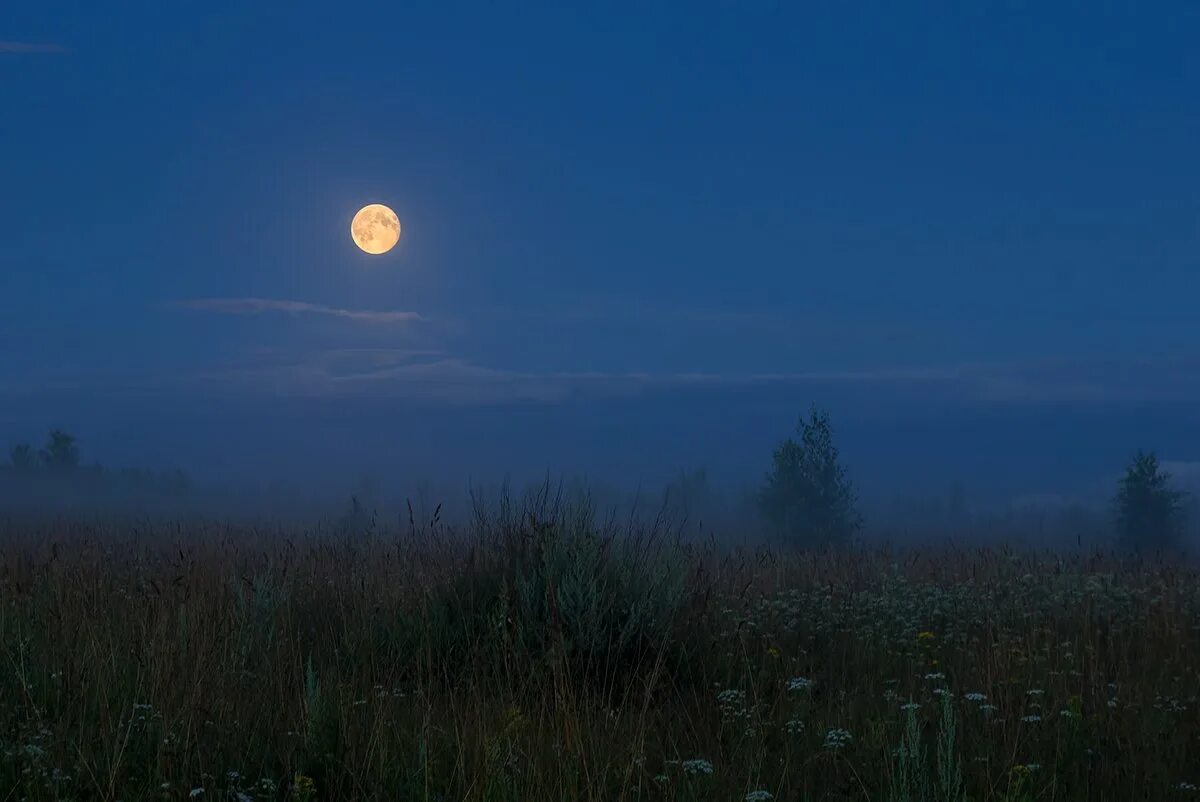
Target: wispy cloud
{"type": "Point", "coordinates": [32, 47]}
{"type": "Point", "coordinates": [624, 312]}
{"type": "Point", "coordinates": [432, 375]}
{"type": "Point", "coordinates": [383, 373]}
{"type": "Point", "coordinates": [255, 306]}
{"type": "Point", "coordinates": [438, 376]}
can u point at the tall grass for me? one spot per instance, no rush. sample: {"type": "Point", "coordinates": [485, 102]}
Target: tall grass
{"type": "Point", "coordinates": [543, 654]}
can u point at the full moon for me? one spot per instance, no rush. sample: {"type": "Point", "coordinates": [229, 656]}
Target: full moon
{"type": "Point", "coordinates": [375, 229]}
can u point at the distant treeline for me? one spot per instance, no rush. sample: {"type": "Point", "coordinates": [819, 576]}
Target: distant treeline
{"type": "Point", "coordinates": [53, 475]}
{"type": "Point", "coordinates": [805, 499]}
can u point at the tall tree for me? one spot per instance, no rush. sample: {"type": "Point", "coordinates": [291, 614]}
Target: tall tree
{"type": "Point", "coordinates": [808, 498]}
{"type": "Point", "coordinates": [1149, 513]}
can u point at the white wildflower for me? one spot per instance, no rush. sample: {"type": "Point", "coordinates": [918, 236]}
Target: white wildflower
{"type": "Point", "coordinates": [837, 738]}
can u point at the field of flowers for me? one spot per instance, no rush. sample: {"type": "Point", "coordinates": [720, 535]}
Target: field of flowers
{"type": "Point", "coordinates": [541, 655]}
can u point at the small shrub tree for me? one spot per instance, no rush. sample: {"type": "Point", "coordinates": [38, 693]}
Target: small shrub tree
{"type": "Point", "coordinates": [23, 457]}
{"type": "Point", "coordinates": [61, 453]}
{"type": "Point", "coordinates": [1149, 513]}
{"type": "Point", "coordinates": [807, 498]}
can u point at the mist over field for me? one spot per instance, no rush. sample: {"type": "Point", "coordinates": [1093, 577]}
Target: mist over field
{"type": "Point", "coordinates": [945, 468]}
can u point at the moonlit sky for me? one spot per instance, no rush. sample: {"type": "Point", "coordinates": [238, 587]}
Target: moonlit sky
{"type": "Point", "coordinates": [637, 238]}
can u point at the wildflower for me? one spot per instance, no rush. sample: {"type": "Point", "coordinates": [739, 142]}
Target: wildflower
{"type": "Point", "coordinates": [303, 787]}
{"type": "Point", "coordinates": [935, 675]}
{"type": "Point", "coordinates": [773, 652]}
{"type": "Point", "coordinates": [732, 698]}
{"type": "Point", "coordinates": [925, 636]}
{"type": "Point", "coordinates": [975, 697]}
{"type": "Point", "coordinates": [195, 792]}
{"type": "Point", "coordinates": [1031, 719]}
{"type": "Point", "coordinates": [1189, 787]}
{"type": "Point", "coordinates": [697, 767]}
{"type": "Point", "coordinates": [837, 738]}
{"type": "Point", "coordinates": [759, 796]}
{"type": "Point", "coordinates": [799, 684]}
{"type": "Point", "coordinates": [794, 726]}
{"type": "Point", "coordinates": [1034, 692]}
{"type": "Point", "coordinates": [661, 779]}
{"type": "Point", "coordinates": [910, 706]}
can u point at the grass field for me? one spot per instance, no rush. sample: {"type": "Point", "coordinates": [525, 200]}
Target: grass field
{"type": "Point", "coordinates": [538, 655]}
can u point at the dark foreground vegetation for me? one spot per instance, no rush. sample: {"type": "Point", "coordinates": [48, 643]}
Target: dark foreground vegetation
{"type": "Point", "coordinates": [544, 655]}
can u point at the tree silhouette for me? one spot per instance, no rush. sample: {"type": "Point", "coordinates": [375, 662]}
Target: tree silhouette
{"type": "Point", "coordinates": [60, 452]}
{"type": "Point", "coordinates": [1149, 513]}
{"type": "Point", "coordinates": [23, 457]}
{"type": "Point", "coordinates": [807, 497]}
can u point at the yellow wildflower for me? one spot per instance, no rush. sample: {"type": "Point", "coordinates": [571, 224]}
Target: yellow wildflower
{"type": "Point", "coordinates": [303, 787]}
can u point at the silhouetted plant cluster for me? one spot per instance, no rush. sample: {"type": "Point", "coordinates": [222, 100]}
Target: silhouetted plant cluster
{"type": "Point", "coordinates": [59, 454]}
{"type": "Point", "coordinates": [53, 475]}
{"type": "Point", "coordinates": [546, 589]}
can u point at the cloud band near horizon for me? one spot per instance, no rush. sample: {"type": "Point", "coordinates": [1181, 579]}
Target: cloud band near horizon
{"type": "Point", "coordinates": [255, 306]}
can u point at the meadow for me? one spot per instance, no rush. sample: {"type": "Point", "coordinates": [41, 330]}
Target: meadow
{"type": "Point", "coordinates": [543, 653]}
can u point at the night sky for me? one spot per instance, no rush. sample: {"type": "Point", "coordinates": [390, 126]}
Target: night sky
{"type": "Point", "coordinates": [637, 238]}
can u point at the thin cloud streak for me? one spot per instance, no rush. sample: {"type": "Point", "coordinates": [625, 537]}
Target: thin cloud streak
{"type": "Point", "coordinates": [255, 306]}
{"type": "Point", "coordinates": [433, 375]}
{"type": "Point", "coordinates": [32, 47]}
{"type": "Point", "coordinates": [436, 376]}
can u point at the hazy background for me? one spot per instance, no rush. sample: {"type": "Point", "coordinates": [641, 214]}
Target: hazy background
{"type": "Point", "coordinates": [637, 240]}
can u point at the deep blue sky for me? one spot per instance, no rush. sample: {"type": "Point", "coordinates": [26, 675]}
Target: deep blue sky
{"type": "Point", "coordinates": [638, 237]}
